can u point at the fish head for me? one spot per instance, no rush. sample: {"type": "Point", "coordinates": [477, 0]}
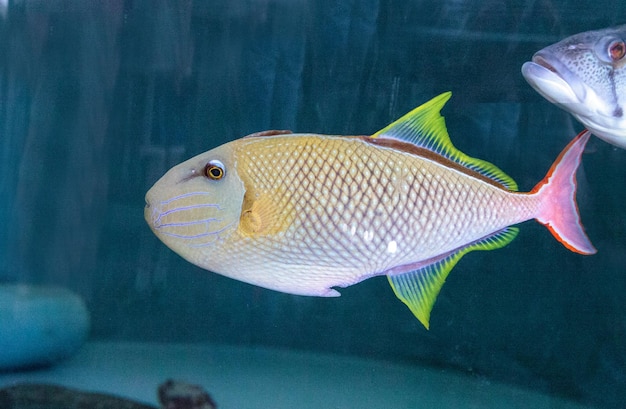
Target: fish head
{"type": "Point", "coordinates": [196, 205]}
{"type": "Point", "coordinates": [585, 74]}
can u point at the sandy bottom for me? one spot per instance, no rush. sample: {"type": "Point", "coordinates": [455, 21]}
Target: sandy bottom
{"type": "Point", "coordinates": [262, 378]}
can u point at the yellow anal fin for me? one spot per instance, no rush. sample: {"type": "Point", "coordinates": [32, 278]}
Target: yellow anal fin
{"type": "Point", "coordinates": [418, 289]}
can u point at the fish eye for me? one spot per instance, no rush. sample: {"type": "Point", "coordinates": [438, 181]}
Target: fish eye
{"type": "Point", "coordinates": [617, 50]}
{"type": "Point", "coordinates": [214, 170]}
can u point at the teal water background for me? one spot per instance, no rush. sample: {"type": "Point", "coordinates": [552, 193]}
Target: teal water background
{"type": "Point", "coordinates": [98, 99]}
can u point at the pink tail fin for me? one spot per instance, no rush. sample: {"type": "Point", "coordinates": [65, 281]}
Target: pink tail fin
{"type": "Point", "coordinates": [557, 192]}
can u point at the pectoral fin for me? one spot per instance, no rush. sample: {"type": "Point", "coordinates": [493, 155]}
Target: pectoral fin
{"type": "Point", "coordinates": [418, 289]}
{"type": "Point", "coordinates": [264, 214]}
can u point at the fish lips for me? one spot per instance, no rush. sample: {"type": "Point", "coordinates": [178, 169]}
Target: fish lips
{"type": "Point", "coordinates": [554, 81]}
{"type": "Point", "coordinates": [151, 213]}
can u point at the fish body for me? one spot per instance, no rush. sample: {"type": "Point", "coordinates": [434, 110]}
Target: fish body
{"type": "Point", "coordinates": [306, 213]}
{"type": "Point", "coordinates": [585, 74]}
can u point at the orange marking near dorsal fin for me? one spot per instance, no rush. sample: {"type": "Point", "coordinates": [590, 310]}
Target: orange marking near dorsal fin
{"type": "Point", "coordinates": [270, 132]}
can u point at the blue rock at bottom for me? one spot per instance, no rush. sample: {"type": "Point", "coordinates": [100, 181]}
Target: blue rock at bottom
{"type": "Point", "coordinates": [39, 325]}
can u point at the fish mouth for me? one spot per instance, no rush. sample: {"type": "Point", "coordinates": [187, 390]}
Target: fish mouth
{"type": "Point", "coordinates": [553, 80]}
{"type": "Point", "coordinates": [149, 214]}
{"type": "Point", "coordinates": [539, 59]}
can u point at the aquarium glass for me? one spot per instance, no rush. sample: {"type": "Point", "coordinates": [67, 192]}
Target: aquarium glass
{"type": "Point", "coordinates": [98, 99]}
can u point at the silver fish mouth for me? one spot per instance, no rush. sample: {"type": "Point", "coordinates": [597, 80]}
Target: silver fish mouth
{"type": "Point", "coordinates": [540, 60]}
{"type": "Point", "coordinates": [555, 66]}
{"type": "Point", "coordinates": [553, 80]}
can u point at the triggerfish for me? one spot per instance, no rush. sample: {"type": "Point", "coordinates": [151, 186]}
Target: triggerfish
{"type": "Point", "coordinates": [585, 74]}
{"type": "Point", "coordinates": [306, 213]}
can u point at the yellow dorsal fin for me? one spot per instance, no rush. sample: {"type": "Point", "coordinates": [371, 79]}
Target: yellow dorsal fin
{"type": "Point", "coordinates": [426, 128]}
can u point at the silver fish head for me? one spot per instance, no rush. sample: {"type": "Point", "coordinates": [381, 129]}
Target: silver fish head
{"type": "Point", "coordinates": [585, 74]}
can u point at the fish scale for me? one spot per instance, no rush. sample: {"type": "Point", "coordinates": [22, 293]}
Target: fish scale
{"type": "Point", "coordinates": [422, 223]}
{"type": "Point", "coordinates": [307, 214]}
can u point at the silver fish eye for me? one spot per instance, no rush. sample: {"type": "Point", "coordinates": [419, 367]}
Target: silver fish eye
{"type": "Point", "coordinates": [617, 50]}
{"type": "Point", "coordinates": [610, 49]}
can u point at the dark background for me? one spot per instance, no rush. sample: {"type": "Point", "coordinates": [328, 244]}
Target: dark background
{"type": "Point", "coordinates": [98, 99]}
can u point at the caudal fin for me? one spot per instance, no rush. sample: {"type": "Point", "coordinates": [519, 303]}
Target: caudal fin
{"type": "Point", "coordinates": [557, 192]}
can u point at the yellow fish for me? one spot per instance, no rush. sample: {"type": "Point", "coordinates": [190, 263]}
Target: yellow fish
{"type": "Point", "coordinates": [305, 213]}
